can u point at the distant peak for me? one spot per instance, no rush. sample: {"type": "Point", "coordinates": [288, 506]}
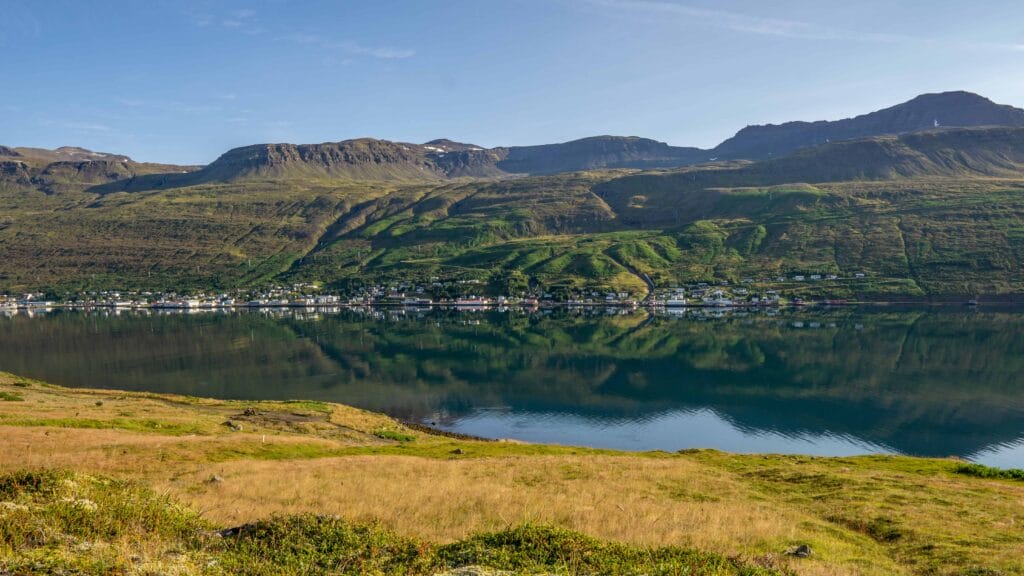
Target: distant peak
{"type": "Point", "coordinates": [950, 95]}
{"type": "Point", "coordinates": [610, 138]}
{"type": "Point", "coordinates": [957, 108]}
{"type": "Point", "coordinates": [77, 153]}
{"type": "Point", "coordinates": [446, 145]}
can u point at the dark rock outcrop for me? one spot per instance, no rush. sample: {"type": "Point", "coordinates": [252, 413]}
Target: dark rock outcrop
{"type": "Point", "coordinates": [13, 172]}
{"type": "Point", "coordinates": [364, 158]}
{"type": "Point", "coordinates": [81, 174]}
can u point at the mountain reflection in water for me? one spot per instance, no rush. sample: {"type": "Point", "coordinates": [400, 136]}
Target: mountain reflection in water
{"type": "Point", "coordinates": [841, 381]}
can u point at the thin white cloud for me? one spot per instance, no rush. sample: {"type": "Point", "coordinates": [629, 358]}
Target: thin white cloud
{"type": "Point", "coordinates": [76, 125]}
{"type": "Point", "coordinates": [784, 28]}
{"type": "Point", "coordinates": [350, 47]}
{"type": "Point", "coordinates": [188, 108]}
{"type": "Point", "coordinates": [177, 105]}
{"type": "Point", "coordinates": [88, 126]}
{"type": "Point", "coordinates": [746, 23]}
{"type": "Point", "coordinates": [244, 21]}
{"type": "Point", "coordinates": [379, 52]}
{"type": "Point", "coordinates": [203, 20]}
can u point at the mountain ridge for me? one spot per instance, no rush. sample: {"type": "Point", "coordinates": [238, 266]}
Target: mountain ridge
{"type": "Point", "coordinates": [944, 109]}
{"type": "Point", "coordinates": [945, 153]}
{"type": "Point", "coordinates": [51, 171]}
{"type": "Point", "coordinates": [920, 214]}
{"type": "Point", "coordinates": [369, 159]}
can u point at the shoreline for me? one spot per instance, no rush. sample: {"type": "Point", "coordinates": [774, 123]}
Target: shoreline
{"type": "Point", "coordinates": [999, 303]}
{"type": "Point", "coordinates": [13, 381]}
{"type": "Point", "coordinates": [241, 462]}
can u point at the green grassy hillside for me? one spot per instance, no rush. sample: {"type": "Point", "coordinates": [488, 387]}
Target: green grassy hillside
{"type": "Point", "coordinates": [927, 214]}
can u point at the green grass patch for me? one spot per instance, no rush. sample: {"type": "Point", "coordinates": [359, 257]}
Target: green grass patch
{"type": "Point", "coordinates": [130, 424]}
{"type": "Point", "coordinates": [982, 471]}
{"type": "Point", "coordinates": [310, 544]}
{"type": "Point", "coordinates": [394, 435]}
{"type": "Point", "coordinates": [10, 397]}
{"type": "Point", "coordinates": [309, 406]}
{"type": "Point", "coordinates": [532, 549]}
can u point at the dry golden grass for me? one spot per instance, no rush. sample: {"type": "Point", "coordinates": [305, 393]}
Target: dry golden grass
{"type": "Point", "coordinates": [628, 499]}
{"type": "Point", "coordinates": [294, 458]}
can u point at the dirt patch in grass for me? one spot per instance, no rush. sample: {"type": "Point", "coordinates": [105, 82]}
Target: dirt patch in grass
{"type": "Point", "coordinates": [277, 418]}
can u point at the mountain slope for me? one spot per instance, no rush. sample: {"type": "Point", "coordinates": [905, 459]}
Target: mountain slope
{"type": "Point", "coordinates": [367, 159]}
{"type": "Point", "coordinates": [363, 159]}
{"type": "Point", "coordinates": [943, 152]}
{"type": "Point", "coordinates": [595, 153]}
{"type": "Point", "coordinates": [42, 156]}
{"type": "Point", "coordinates": [72, 168]}
{"type": "Point", "coordinates": [672, 198]}
{"type": "Point", "coordinates": [928, 212]}
{"type": "Point", "coordinates": [953, 109]}
{"type": "Point", "coordinates": [931, 213]}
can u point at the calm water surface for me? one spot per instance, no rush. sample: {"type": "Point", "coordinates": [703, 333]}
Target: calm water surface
{"type": "Point", "coordinates": [832, 382]}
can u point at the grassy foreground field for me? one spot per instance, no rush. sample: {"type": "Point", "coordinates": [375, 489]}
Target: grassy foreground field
{"type": "Point", "coordinates": [113, 482]}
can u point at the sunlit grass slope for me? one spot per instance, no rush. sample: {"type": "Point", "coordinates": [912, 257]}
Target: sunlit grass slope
{"type": "Point", "coordinates": [911, 237]}
{"type": "Point", "coordinates": [422, 501]}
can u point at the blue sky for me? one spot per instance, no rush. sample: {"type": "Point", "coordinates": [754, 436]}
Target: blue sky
{"type": "Point", "coordinates": [181, 81]}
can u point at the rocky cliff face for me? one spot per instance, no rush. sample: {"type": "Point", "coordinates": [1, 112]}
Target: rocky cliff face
{"type": "Point", "coordinates": [475, 163]}
{"type": "Point", "coordinates": [65, 168]}
{"type": "Point", "coordinates": [14, 173]}
{"type": "Point", "coordinates": [948, 109]}
{"type": "Point", "coordinates": [380, 159]}
{"type": "Point", "coordinates": [42, 156]}
{"type": "Point", "coordinates": [82, 174]}
{"type": "Point", "coordinates": [358, 159]}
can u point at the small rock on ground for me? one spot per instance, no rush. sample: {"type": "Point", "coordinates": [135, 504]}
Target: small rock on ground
{"type": "Point", "coordinates": [801, 551]}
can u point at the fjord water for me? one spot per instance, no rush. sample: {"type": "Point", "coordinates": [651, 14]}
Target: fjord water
{"type": "Point", "coordinates": [946, 382]}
